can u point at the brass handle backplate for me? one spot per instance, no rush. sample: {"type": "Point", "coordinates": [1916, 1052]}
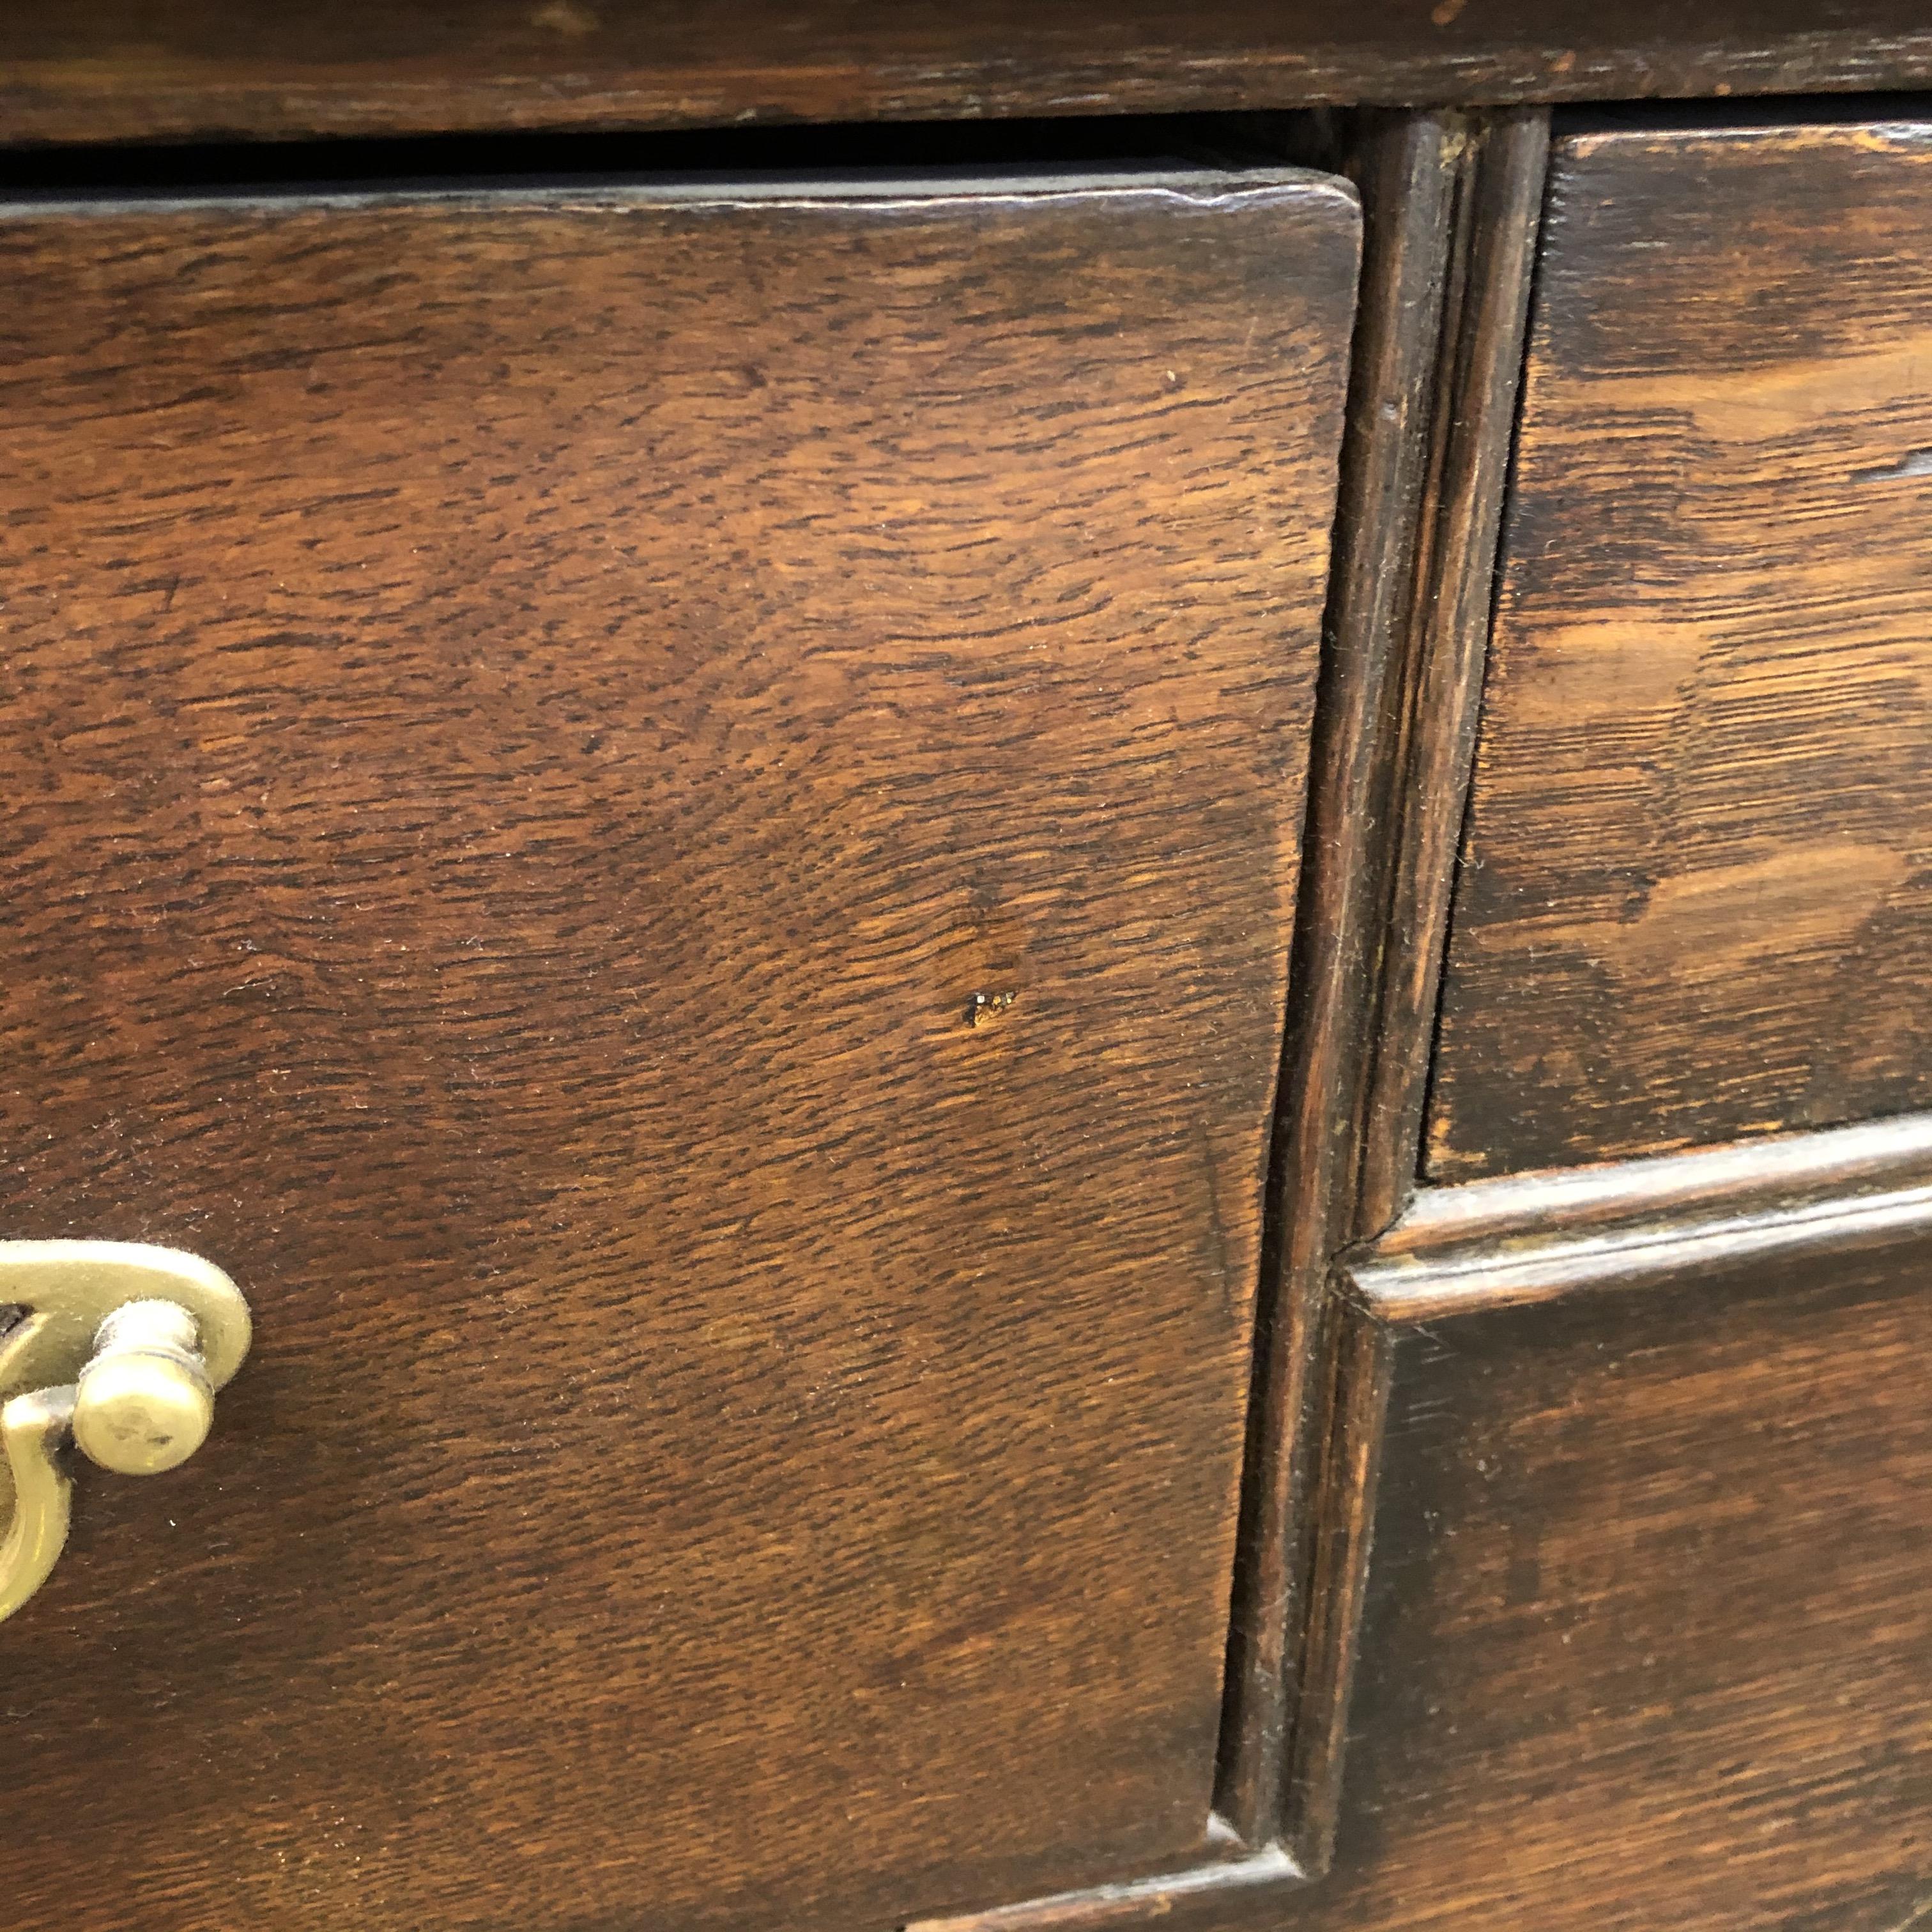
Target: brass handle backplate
{"type": "Point", "coordinates": [119, 1349]}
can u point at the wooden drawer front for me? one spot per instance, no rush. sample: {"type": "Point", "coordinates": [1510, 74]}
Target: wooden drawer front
{"type": "Point", "coordinates": [1696, 900]}
{"type": "Point", "coordinates": [1649, 1605]}
{"type": "Point", "coordinates": [668, 820]}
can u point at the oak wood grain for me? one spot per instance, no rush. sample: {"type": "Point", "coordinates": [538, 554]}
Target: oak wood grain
{"type": "Point", "coordinates": [1696, 893]}
{"type": "Point", "coordinates": [669, 820]}
{"type": "Point", "coordinates": [1650, 1596]}
{"type": "Point", "coordinates": [123, 70]}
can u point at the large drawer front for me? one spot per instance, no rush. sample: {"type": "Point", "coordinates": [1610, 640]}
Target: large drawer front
{"type": "Point", "coordinates": [1697, 898]}
{"type": "Point", "coordinates": [668, 821]}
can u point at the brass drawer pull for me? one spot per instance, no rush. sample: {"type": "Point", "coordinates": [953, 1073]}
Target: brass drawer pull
{"type": "Point", "coordinates": [120, 1351]}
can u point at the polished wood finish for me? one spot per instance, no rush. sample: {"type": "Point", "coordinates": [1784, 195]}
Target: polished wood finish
{"type": "Point", "coordinates": [542, 731]}
{"type": "Point", "coordinates": [1650, 1598]}
{"type": "Point", "coordinates": [126, 70]}
{"type": "Point", "coordinates": [1696, 901]}
{"type": "Point", "coordinates": [1450, 202]}
{"type": "Point", "coordinates": [1490, 1225]}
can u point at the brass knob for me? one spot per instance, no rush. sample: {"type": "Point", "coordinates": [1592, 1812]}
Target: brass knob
{"type": "Point", "coordinates": [144, 1403]}
{"type": "Point", "coordinates": [119, 1349]}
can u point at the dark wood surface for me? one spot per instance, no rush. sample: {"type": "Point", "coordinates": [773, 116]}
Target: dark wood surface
{"type": "Point", "coordinates": [120, 69]}
{"type": "Point", "coordinates": [531, 725]}
{"type": "Point", "coordinates": [1697, 895]}
{"type": "Point", "coordinates": [1445, 608]}
{"type": "Point", "coordinates": [1405, 167]}
{"type": "Point", "coordinates": [1450, 202]}
{"type": "Point", "coordinates": [1650, 1598]}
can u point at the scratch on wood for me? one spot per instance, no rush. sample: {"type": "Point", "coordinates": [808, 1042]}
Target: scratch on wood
{"type": "Point", "coordinates": [1913, 463]}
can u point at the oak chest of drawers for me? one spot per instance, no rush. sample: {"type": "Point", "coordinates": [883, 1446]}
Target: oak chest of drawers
{"type": "Point", "coordinates": [1020, 1012]}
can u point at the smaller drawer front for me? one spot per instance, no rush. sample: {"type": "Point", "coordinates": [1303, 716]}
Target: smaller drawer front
{"type": "Point", "coordinates": [1697, 898]}
{"type": "Point", "coordinates": [1649, 1602]}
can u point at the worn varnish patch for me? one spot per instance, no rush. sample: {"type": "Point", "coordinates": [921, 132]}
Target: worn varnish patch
{"type": "Point", "coordinates": [533, 723]}
{"type": "Point", "coordinates": [1696, 899]}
